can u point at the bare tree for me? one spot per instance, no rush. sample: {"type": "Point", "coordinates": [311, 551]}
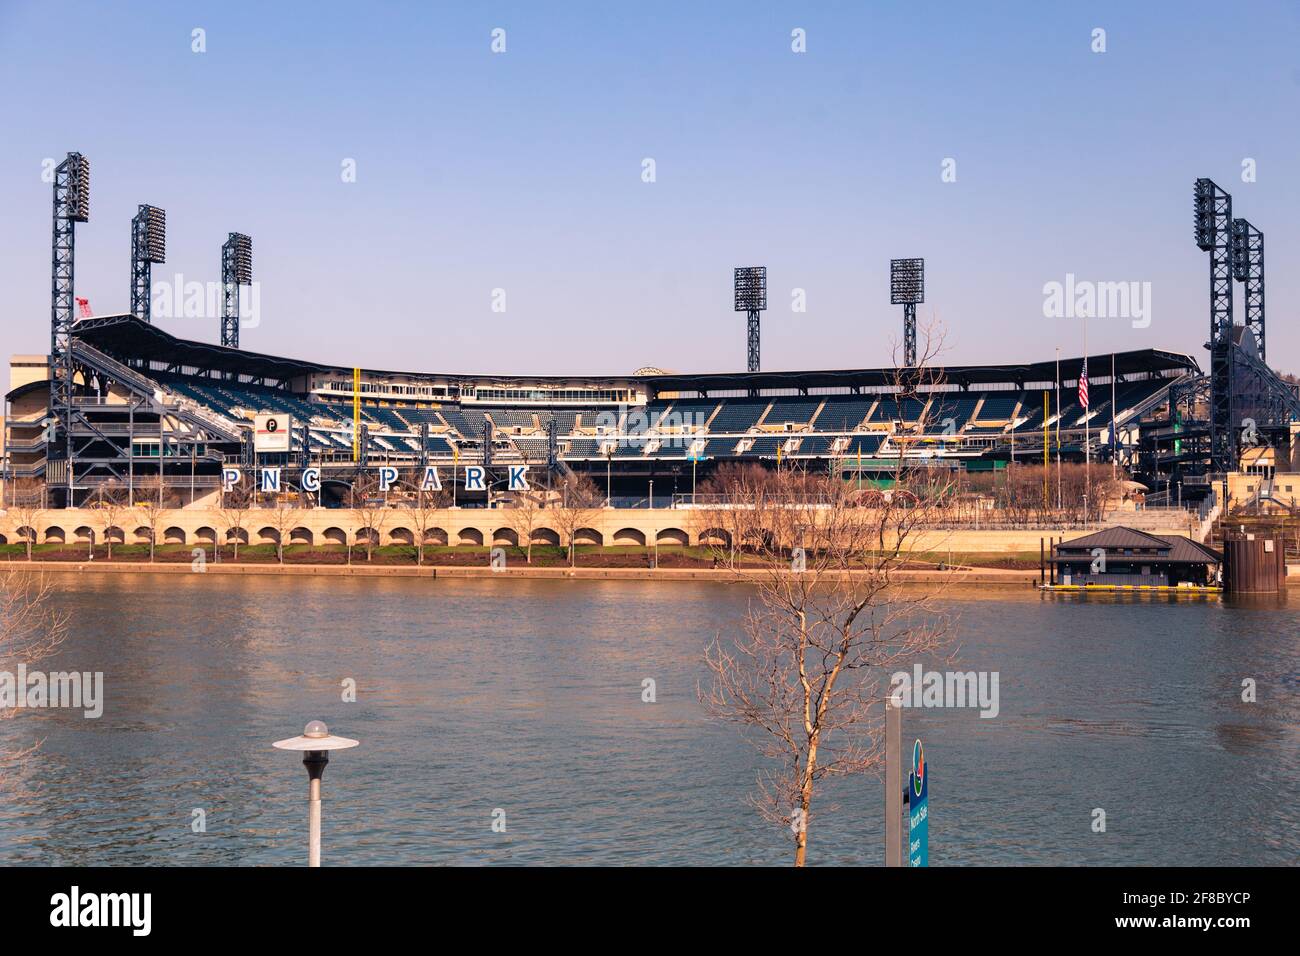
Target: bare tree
{"type": "Point", "coordinates": [808, 674]}
{"type": "Point", "coordinates": [235, 505]}
{"type": "Point", "coordinates": [152, 503]}
{"type": "Point", "coordinates": [577, 502]}
{"type": "Point", "coordinates": [110, 506]}
{"type": "Point", "coordinates": [28, 509]}
{"type": "Point", "coordinates": [524, 516]}
{"type": "Point", "coordinates": [283, 516]}
{"type": "Point", "coordinates": [367, 503]}
{"type": "Point", "coordinates": [424, 509]}
{"type": "Point", "coordinates": [31, 629]}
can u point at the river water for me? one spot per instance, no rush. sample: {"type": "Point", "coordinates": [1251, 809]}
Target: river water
{"type": "Point", "coordinates": [475, 696]}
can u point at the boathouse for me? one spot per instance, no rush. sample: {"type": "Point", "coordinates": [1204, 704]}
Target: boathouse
{"type": "Point", "coordinates": [1126, 557]}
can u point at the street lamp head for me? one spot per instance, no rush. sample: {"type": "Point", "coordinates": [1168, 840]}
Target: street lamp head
{"type": "Point", "coordinates": [316, 736]}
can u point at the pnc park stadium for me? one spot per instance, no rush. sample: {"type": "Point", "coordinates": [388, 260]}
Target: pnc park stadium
{"type": "Point", "coordinates": [119, 400]}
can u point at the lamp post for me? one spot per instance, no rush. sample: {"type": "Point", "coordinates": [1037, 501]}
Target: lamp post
{"type": "Point", "coordinates": [316, 742]}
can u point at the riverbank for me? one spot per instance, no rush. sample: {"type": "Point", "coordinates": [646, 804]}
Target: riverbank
{"type": "Point", "coordinates": [968, 577]}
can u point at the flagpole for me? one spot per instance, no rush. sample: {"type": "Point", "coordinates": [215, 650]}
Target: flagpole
{"type": "Point", "coordinates": [1114, 435]}
{"type": "Point", "coordinates": [1058, 429]}
{"type": "Point", "coordinates": [1087, 434]}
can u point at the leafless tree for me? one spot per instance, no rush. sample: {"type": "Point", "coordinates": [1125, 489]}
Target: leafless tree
{"type": "Point", "coordinates": [110, 505]}
{"type": "Point", "coordinates": [28, 509]}
{"type": "Point", "coordinates": [31, 629]}
{"type": "Point", "coordinates": [234, 508]}
{"type": "Point", "coordinates": [152, 503]}
{"type": "Point", "coordinates": [524, 516]}
{"type": "Point", "coordinates": [577, 501]}
{"type": "Point", "coordinates": [367, 503]}
{"type": "Point", "coordinates": [424, 508]}
{"type": "Point", "coordinates": [809, 672]}
{"type": "Point", "coordinates": [283, 515]}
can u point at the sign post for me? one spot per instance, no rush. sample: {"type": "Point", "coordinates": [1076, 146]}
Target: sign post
{"type": "Point", "coordinates": [893, 781]}
{"type": "Point", "coordinates": [918, 846]}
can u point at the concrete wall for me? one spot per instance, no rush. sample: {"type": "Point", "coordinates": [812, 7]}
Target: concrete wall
{"type": "Point", "coordinates": [450, 526]}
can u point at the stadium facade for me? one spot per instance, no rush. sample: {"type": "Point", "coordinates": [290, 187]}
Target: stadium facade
{"type": "Point", "coordinates": [150, 403]}
{"type": "Point", "coordinates": [119, 400]}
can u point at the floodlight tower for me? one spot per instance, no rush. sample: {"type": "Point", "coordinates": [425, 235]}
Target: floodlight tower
{"type": "Point", "coordinates": [148, 245]}
{"type": "Point", "coordinates": [1213, 225]}
{"type": "Point", "coordinates": [751, 298]}
{"type": "Point", "coordinates": [907, 288]}
{"type": "Point", "coordinates": [236, 270]}
{"type": "Point", "coordinates": [1248, 268]}
{"type": "Point", "coordinates": [71, 206]}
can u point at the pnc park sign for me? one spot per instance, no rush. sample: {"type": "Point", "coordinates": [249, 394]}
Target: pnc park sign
{"type": "Point", "coordinates": [268, 478]}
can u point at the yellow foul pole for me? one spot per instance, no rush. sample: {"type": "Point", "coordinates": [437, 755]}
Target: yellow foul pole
{"type": "Point", "coordinates": [356, 414]}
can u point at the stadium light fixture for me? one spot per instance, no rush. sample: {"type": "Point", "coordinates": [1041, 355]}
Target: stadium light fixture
{"type": "Point", "coordinates": [78, 181]}
{"type": "Point", "coordinates": [751, 298]}
{"type": "Point", "coordinates": [1212, 225]}
{"type": "Point", "coordinates": [148, 245]}
{"type": "Point", "coordinates": [907, 288]}
{"type": "Point", "coordinates": [71, 206]}
{"type": "Point", "coordinates": [236, 270]}
{"type": "Point", "coordinates": [315, 742]}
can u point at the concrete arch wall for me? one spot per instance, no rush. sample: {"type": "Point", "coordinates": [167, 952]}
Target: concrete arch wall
{"type": "Point", "coordinates": [401, 536]}
{"type": "Point", "coordinates": [600, 528]}
{"type": "Point", "coordinates": [505, 538]}
{"type": "Point", "coordinates": [173, 535]}
{"type": "Point", "coordinates": [546, 536]}
{"type": "Point", "coordinates": [629, 536]}
{"type": "Point", "coordinates": [206, 534]}
{"type": "Point", "coordinates": [437, 537]}
{"type": "Point", "coordinates": [470, 536]}
{"type": "Point", "coordinates": [672, 536]}
{"type": "Point", "coordinates": [84, 533]}
{"type": "Point", "coordinates": [268, 535]}
{"type": "Point", "coordinates": [301, 535]}
{"type": "Point", "coordinates": [335, 535]}
{"type": "Point", "coordinates": [54, 534]}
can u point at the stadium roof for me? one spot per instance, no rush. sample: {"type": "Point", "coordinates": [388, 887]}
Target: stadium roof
{"type": "Point", "coordinates": [1126, 363]}
{"type": "Point", "coordinates": [129, 337]}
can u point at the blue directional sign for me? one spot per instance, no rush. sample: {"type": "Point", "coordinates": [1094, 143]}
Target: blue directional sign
{"type": "Point", "coordinates": [918, 842]}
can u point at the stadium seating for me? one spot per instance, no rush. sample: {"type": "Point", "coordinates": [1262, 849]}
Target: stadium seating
{"type": "Point", "coordinates": [798, 411]}
{"type": "Point", "coordinates": [891, 409]}
{"type": "Point", "coordinates": [843, 414]}
{"type": "Point", "coordinates": [1000, 406]}
{"type": "Point", "coordinates": [738, 415]}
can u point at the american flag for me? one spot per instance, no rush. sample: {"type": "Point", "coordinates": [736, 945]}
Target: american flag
{"type": "Point", "coordinates": [1083, 384]}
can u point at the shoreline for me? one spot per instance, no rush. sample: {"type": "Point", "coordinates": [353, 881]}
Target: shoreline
{"type": "Point", "coordinates": [982, 577]}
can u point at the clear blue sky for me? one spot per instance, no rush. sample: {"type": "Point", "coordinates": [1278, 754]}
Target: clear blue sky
{"type": "Point", "coordinates": [522, 171]}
